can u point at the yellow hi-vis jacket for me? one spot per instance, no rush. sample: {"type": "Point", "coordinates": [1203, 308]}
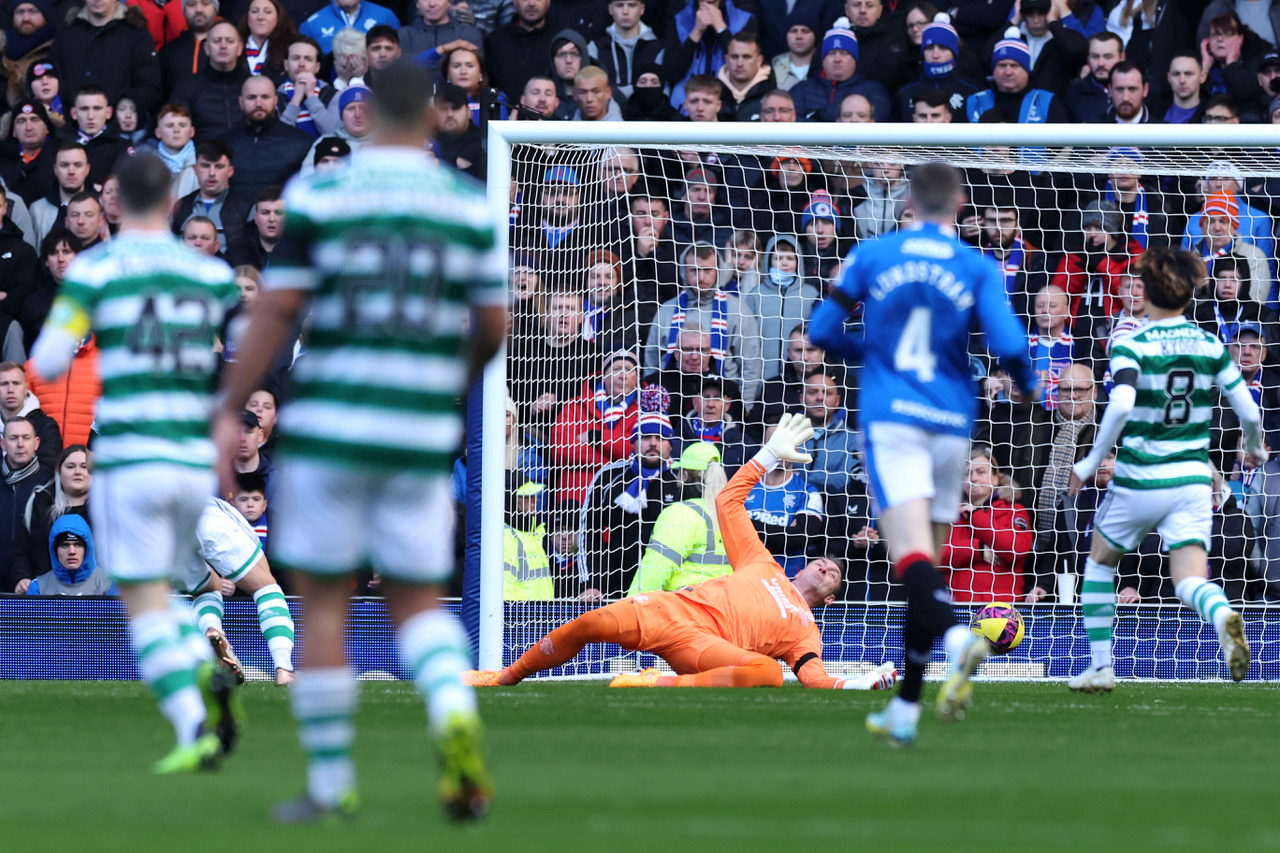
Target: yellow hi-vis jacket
{"type": "Point", "coordinates": [526, 574]}
{"type": "Point", "coordinates": [682, 550]}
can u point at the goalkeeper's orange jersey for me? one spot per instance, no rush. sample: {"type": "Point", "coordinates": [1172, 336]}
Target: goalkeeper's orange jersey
{"type": "Point", "coordinates": [756, 608]}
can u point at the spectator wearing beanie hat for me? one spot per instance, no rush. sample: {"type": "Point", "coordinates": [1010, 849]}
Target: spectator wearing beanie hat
{"type": "Point", "coordinates": [819, 98]}
{"type": "Point", "coordinates": [1057, 51]}
{"type": "Point", "coordinates": [28, 36]}
{"type": "Point", "coordinates": [793, 63]}
{"type": "Point", "coordinates": [940, 49]}
{"type": "Point", "coordinates": [1220, 221]}
{"type": "Point", "coordinates": [649, 101]}
{"type": "Point", "coordinates": [1012, 92]}
{"type": "Point", "coordinates": [44, 83]}
{"type": "Point", "coordinates": [1256, 226]}
{"type": "Point", "coordinates": [638, 487]}
{"type": "Point", "coordinates": [26, 158]}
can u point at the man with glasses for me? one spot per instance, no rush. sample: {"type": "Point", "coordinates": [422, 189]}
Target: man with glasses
{"type": "Point", "coordinates": [1002, 241]}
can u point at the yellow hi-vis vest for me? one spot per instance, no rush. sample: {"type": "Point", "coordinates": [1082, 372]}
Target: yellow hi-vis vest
{"type": "Point", "coordinates": [526, 574]}
{"type": "Point", "coordinates": [682, 550]}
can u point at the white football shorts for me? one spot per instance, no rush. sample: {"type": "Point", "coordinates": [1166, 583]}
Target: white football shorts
{"type": "Point", "coordinates": [328, 520]}
{"type": "Point", "coordinates": [144, 520]}
{"type": "Point", "coordinates": [1182, 515]}
{"type": "Point", "coordinates": [904, 463]}
{"type": "Point", "coordinates": [227, 542]}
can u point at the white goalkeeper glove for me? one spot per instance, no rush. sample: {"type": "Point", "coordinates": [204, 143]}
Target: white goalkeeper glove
{"type": "Point", "coordinates": [787, 439]}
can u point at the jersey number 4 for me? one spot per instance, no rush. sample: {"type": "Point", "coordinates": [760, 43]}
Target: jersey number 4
{"type": "Point", "coordinates": [914, 353]}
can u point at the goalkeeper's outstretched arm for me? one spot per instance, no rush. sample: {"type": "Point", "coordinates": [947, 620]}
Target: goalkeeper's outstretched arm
{"type": "Point", "coordinates": [741, 542]}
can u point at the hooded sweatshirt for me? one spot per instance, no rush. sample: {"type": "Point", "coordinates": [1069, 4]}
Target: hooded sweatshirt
{"type": "Point", "coordinates": [621, 58]}
{"type": "Point", "coordinates": [85, 580]}
{"type": "Point", "coordinates": [563, 89]}
{"type": "Point", "coordinates": [782, 301]}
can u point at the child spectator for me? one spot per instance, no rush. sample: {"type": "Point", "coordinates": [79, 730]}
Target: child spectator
{"type": "Point", "coordinates": [250, 500]}
{"type": "Point", "coordinates": [1052, 347]}
{"type": "Point", "coordinates": [45, 85]}
{"type": "Point", "coordinates": [820, 232]}
{"type": "Point", "coordinates": [1220, 222]}
{"type": "Point", "coordinates": [175, 135]}
{"type": "Point", "coordinates": [132, 131]}
{"type": "Point", "coordinates": [742, 259]}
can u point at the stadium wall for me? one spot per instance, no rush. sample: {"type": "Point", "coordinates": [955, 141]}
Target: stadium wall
{"type": "Point", "coordinates": [86, 639]}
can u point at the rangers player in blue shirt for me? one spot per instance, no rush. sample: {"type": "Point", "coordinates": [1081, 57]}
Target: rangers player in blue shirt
{"type": "Point", "coordinates": [922, 291]}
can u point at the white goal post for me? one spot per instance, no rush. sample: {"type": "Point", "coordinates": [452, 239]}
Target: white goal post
{"type": "Point", "coordinates": [1177, 150]}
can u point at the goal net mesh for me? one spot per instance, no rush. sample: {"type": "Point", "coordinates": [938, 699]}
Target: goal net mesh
{"type": "Point", "coordinates": [659, 302]}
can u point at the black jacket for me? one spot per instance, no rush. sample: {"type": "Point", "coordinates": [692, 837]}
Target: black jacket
{"type": "Point", "coordinates": [234, 215]}
{"type": "Point", "coordinates": [13, 501]}
{"type": "Point", "coordinates": [515, 54]}
{"type": "Point", "coordinates": [32, 180]}
{"type": "Point", "coordinates": [176, 59]}
{"type": "Point", "coordinates": [119, 56]}
{"type": "Point", "coordinates": [883, 51]}
{"type": "Point", "coordinates": [267, 154]}
{"type": "Point", "coordinates": [19, 271]}
{"type": "Point", "coordinates": [104, 150]}
{"type": "Point", "coordinates": [214, 99]}
{"type": "Point", "coordinates": [468, 146]}
{"type": "Point", "coordinates": [611, 540]}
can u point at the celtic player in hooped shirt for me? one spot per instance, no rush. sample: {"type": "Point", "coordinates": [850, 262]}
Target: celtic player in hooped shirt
{"type": "Point", "coordinates": [394, 253]}
{"type": "Point", "coordinates": [1161, 409]}
{"type": "Point", "coordinates": [155, 307]}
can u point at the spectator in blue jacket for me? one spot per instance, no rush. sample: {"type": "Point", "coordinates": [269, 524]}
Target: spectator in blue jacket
{"type": "Point", "coordinates": [74, 564]}
{"type": "Point", "coordinates": [819, 98]}
{"type": "Point", "coordinates": [357, 14]}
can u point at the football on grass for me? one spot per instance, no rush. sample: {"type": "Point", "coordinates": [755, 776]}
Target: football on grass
{"type": "Point", "coordinates": [1001, 624]}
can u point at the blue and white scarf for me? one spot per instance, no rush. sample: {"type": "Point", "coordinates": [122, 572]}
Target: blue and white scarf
{"type": "Point", "coordinates": [1012, 264]}
{"type": "Point", "coordinates": [1141, 213]}
{"type": "Point", "coordinates": [592, 317]}
{"type": "Point", "coordinates": [705, 432]}
{"type": "Point", "coordinates": [610, 412]}
{"type": "Point", "coordinates": [719, 327]}
{"type": "Point", "coordinates": [634, 497]}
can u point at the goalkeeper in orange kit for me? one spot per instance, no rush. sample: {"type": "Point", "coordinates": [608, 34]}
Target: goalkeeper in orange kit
{"type": "Point", "coordinates": [729, 631]}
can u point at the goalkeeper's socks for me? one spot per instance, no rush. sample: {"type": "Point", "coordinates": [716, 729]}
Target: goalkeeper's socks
{"type": "Point", "coordinates": [208, 608]}
{"type": "Point", "coordinates": [276, 624]}
{"type": "Point", "coordinates": [1098, 602]}
{"type": "Point", "coordinates": [435, 650]}
{"type": "Point", "coordinates": [169, 669]}
{"type": "Point", "coordinates": [1206, 598]}
{"type": "Point", "coordinates": [324, 703]}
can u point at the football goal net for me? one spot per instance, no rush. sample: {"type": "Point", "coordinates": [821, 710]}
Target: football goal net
{"type": "Point", "coordinates": [661, 278]}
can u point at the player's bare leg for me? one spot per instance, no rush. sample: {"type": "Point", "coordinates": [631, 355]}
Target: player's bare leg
{"type": "Point", "coordinates": [436, 652]}
{"type": "Point", "coordinates": [274, 619]}
{"type": "Point", "coordinates": [324, 699]}
{"type": "Point", "coordinates": [1189, 570]}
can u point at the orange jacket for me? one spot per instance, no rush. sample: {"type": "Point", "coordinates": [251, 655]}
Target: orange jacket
{"type": "Point", "coordinates": [72, 399]}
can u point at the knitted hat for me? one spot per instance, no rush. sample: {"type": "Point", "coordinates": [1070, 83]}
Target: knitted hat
{"type": "Point", "coordinates": [1012, 47]}
{"type": "Point", "coordinates": [1121, 156]}
{"type": "Point", "coordinates": [1225, 169]}
{"type": "Point", "coordinates": [32, 106]}
{"type": "Point", "coordinates": [1103, 214]}
{"type": "Point", "coordinates": [801, 17]}
{"type": "Point", "coordinates": [42, 69]}
{"type": "Point", "coordinates": [820, 206]}
{"type": "Point", "coordinates": [653, 423]}
{"type": "Point", "coordinates": [624, 354]}
{"type": "Point", "coordinates": [805, 162]}
{"type": "Point", "coordinates": [561, 175]}
{"type": "Point", "coordinates": [1222, 204]}
{"type": "Point", "coordinates": [45, 7]}
{"type": "Point", "coordinates": [840, 37]}
{"type": "Point", "coordinates": [217, 4]}
{"type": "Point", "coordinates": [332, 146]}
{"type": "Point", "coordinates": [940, 32]}
{"type": "Point", "coordinates": [352, 95]}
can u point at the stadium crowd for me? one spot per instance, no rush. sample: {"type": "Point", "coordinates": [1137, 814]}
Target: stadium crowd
{"type": "Point", "coordinates": [660, 297]}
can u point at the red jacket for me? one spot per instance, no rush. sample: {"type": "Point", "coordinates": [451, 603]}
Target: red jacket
{"type": "Point", "coordinates": [1003, 527]}
{"type": "Point", "coordinates": [1072, 276]}
{"type": "Point", "coordinates": [72, 399]}
{"type": "Point", "coordinates": [163, 22]}
{"type": "Point", "coordinates": [579, 460]}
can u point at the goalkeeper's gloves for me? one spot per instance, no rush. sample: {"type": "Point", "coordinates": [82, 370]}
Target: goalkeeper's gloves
{"type": "Point", "coordinates": [788, 437]}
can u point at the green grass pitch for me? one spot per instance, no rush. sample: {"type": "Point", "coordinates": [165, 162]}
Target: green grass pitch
{"type": "Point", "coordinates": [583, 767]}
